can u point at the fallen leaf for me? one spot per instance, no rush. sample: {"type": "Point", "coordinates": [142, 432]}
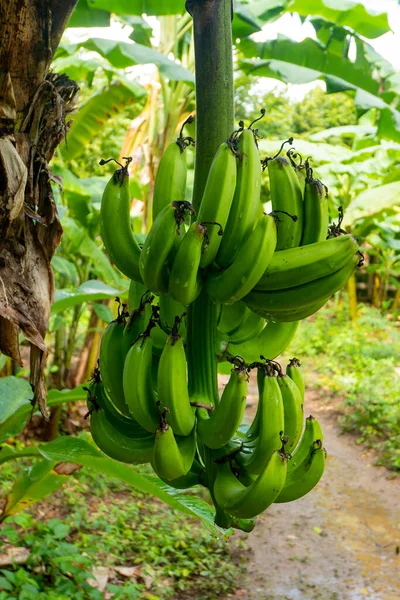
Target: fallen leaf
{"type": "Point", "coordinates": [317, 530]}
{"type": "Point", "coordinates": [17, 555]}
{"type": "Point", "coordinates": [127, 571]}
{"type": "Point", "coordinates": [100, 578]}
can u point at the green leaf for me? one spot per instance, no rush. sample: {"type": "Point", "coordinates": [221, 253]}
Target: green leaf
{"type": "Point", "coordinates": [65, 268]}
{"type": "Point", "coordinates": [347, 13]}
{"type": "Point", "coordinates": [356, 130]}
{"type": "Point", "coordinates": [372, 201]}
{"type": "Point", "coordinates": [302, 62]}
{"type": "Point", "coordinates": [79, 451]}
{"type": "Point", "coordinates": [10, 453]}
{"type": "Point", "coordinates": [36, 483]}
{"type": "Point", "coordinates": [12, 420]}
{"type": "Point", "coordinates": [14, 393]}
{"type": "Point", "coordinates": [87, 292]}
{"type": "Point", "coordinates": [103, 312]}
{"type": "Point", "coordinates": [85, 15]}
{"type": "Point", "coordinates": [138, 7]}
{"type": "Point", "coordinates": [92, 115]}
{"type": "Point", "coordinates": [124, 54]}
{"type": "Point", "coordinates": [323, 153]}
{"type": "Point", "coordinates": [80, 242]}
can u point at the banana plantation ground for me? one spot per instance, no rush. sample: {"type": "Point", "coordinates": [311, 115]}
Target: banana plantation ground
{"type": "Point", "coordinates": [341, 542]}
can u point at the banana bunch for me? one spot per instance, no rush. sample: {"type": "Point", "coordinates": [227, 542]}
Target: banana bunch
{"type": "Point", "coordinates": [257, 275]}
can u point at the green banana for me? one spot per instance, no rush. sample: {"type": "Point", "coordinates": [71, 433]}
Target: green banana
{"type": "Point", "coordinates": [271, 342]}
{"type": "Point", "coordinates": [305, 477]}
{"type": "Point", "coordinates": [217, 429]}
{"type": "Point", "coordinates": [294, 315]}
{"type": "Point", "coordinates": [115, 224]}
{"type": "Point", "coordinates": [249, 501]}
{"type": "Point", "coordinates": [250, 329]}
{"type": "Point", "coordinates": [217, 199]}
{"type": "Point", "coordinates": [307, 263]}
{"type": "Point", "coordinates": [169, 309]}
{"type": "Point", "coordinates": [170, 182]}
{"type": "Point", "coordinates": [185, 281]}
{"type": "Point", "coordinates": [316, 213]}
{"type": "Point", "coordinates": [138, 384]}
{"type": "Point", "coordinates": [98, 400]}
{"type": "Point", "coordinates": [312, 432]}
{"type": "Point", "coordinates": [133, 449]}
{"type": "Point", "coordinates": [246, 205]}
{"type": "Point", "coordinates": [172, 386]}
{"type": "Point", "coordinates": [287, 201]}
{"type": "Point", "coordinates": [173, 456]}
{"type": "Point", "coordinates": [300, 296]}
{"type": "Point", "coordinates": [293, 411]}
{"type": "Point", "coordinates": [137, 322]}
{"type": "Point", "coordinates": [250, 262]}
{"type": "Point", "coordinates": [231, 317]}
{"type": "Point", "coordinates": [295, 373]}
{"type": "Point", "coordinates": [269, 430]}
{"type": "Point", "coordinates": [193, 477]}
{"type": "Point", "coordinates": [111, 360]}
{"type": "Point", "coordinates": [159, 245]}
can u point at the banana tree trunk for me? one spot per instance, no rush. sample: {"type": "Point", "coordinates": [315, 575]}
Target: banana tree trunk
{"type": "Point", "coordinates": [34, 104]}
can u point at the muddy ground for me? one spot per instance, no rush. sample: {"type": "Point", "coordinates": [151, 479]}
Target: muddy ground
{"type": "Point", "coordinates": [341, 541]}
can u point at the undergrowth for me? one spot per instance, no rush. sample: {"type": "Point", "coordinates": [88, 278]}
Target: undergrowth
{"type": "Point", "coordinates": [359, 361]}
{"type": "Point", "coordinates": [94, 521]}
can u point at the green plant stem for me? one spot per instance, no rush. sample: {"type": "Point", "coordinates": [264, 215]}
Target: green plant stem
{"type": "Point", "coordinates": [212, 31]}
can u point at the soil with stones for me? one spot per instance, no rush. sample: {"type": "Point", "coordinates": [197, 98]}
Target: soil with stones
{"type": "Point", "coordinates": [341, 541]}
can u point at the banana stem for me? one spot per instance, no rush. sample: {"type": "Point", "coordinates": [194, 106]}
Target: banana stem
{"type": "Point", "coordinates": [212, 34]}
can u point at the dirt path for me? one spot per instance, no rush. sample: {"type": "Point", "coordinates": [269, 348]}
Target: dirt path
{"type": "Point", "coordinates": [340, 542]}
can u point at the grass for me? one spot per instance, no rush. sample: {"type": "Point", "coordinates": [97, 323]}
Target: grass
{"type": "Point", "coordinates": [99, 522]}
{"type": "Point", "coordinates": [360, 362]}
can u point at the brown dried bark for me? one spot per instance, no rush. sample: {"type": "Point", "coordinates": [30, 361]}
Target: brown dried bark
{"type": "Point", "coordinates": [33, 108]}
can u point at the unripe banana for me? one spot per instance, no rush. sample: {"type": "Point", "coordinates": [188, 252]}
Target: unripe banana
{"type": "Point", "coordinates": [251, 260]}
{"type": "Point", "coordinates": [271, 342]}
{"type": "Point", "coordinates": [270, 419]}
{"type": "Point", "coordinates": [217, 199]}
{"type": "Point", "coordinates": [297, 266]}
{"type": "Point", "coordinates": [138, 384]}
{"type": "Point", "coordinates": [312, 432]}
{"type": "Point", "coordinates": [286, 196]}
{"type": "Point", "coordinates": [295, 373]}
{"type": "Point", "coordinates": [111, 360]}
{"type": "Point", "coordinates": [173, 456]}
{"type": "Point", "coordinates": [159, 245]}
{"type": "Point", "coordinates": [316, 213]}
{"type": "Point", "coordinates": [172, 386]}
{"type": "Point", "coordinates": [293, 411]}
{"type": "Point", "coordinates": [217, 429]}
{"type": "Point", "coordinates": [300, 296]}
{"type": "Point", "coordinates": [305, 477]}
{"type": "Point", "coordinates": [231, 317]}
{"type": "Point", "coordinates": [115, 225]}
{"type": "Point", "coordinates": [170, 182]}
{"type": "Point", "coordinates": [185, 281]}
{"type": "Point", "coordinates": [248, 502]}
{"type": "Point", "coordinates": [246, 206]}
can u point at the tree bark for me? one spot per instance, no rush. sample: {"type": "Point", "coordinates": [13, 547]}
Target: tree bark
{"type": "Point", "coordinates": [33, 108]}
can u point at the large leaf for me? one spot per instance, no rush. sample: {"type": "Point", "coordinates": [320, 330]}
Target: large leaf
{"type": "Point", "coordinates": [125, 54]}
{"type": "Point", "coordinates": [356, 130]}
{"type": "Point", "coordinates": [81, 243]}
{"type": "Point", "coordinates": [321, 153]}
{"type": "Point", "coordinates": [87, 292]}
{"type": "Point", "coordinates": [306, 61]}
{"type": "Point", "coordinates": [15, 393]}
{"type": "Point", "coordinates": [373, 201]}
{"type": "Point", "coordinates": [14, 414]}
{"type": "Point", "coordinates": [139, 7]}
{"type": "Point", "coordinates": [92, 115]}
{"type": "Point", "coordinates": [79, 451]}
{"type": "Point", "coordinates": [348, 13]}
{"type": "Point", "coordinates": [85, 15]}
{"type": "Point", "coordinates": [36, 483]}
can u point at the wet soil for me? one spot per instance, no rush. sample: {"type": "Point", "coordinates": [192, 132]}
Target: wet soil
{"type": "Point", "coordinates": [341, 541]}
